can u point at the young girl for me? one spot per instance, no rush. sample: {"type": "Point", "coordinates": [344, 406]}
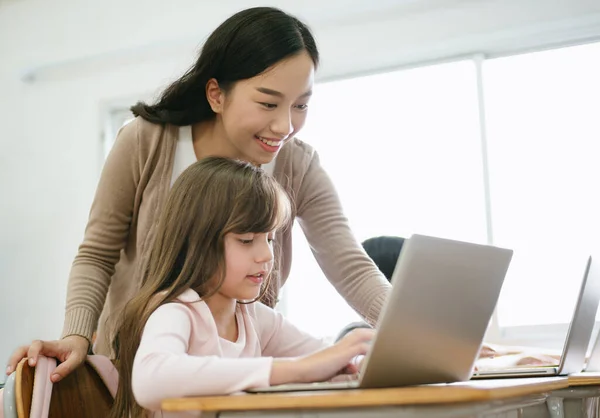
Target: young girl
{"type": "Point", "coordinates": [194, 327]}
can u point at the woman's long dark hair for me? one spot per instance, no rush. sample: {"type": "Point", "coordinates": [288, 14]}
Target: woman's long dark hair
{"type": "Point", "coordinates": [243, 46]}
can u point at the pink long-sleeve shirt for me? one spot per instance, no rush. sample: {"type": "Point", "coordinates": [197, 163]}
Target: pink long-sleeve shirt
{"type": "Point", "coordinates": [181, 353]}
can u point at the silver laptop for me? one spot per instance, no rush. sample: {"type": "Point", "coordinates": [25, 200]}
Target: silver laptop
{"type": "Point", "coordinates": [593, 363]}
{"type": "Point", "coordinates": [432, 325]}
{"type": "Point", "coordinates": [578, 337]}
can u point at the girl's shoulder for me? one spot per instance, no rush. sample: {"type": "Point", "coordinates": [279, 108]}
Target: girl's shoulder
{"type": "Point", "coordinates": [188, 301]}
{"type": "Point", "coordinates": [187, 306]}
{"type": "Point", "coordinates": [261, 314]}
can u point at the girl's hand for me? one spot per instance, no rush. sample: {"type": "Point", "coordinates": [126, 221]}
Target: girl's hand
{"type": "Point", "coordinates": [325, 364]}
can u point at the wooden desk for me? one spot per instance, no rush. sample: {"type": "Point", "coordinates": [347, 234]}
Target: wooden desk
{"type": "Point", "coordinates": [524, 392]}
{"type": "Point", "coordinates": [584, 379]}
{"type": "Point", "coordinates": [580, 400]}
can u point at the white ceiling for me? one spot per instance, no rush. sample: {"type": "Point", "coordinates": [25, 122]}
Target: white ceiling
{"type": "Point", "coordinates": [316, 11]}
{"type": "Point", "coordinates": [325, 11]}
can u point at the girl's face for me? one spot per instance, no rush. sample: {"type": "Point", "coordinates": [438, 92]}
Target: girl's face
{"type": "Point", "coordinates": [248, 262]}
{"type": "Point", "coordinates": [259, 114]}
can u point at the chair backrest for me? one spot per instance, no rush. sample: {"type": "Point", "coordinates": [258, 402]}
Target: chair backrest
{"type": "Point", "coordinates": [88, 391]}
{"type": "Point", "coordinates": [8, 406]}
{"type": "Point", "coordinates": [33, 387]}
{"type": "Point", "coordinates": [384, 251]}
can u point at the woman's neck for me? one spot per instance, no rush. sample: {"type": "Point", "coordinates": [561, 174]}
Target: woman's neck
{"type": "Point", "coordinates": [209, 139]}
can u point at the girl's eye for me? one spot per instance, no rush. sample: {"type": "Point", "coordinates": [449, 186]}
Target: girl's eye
{"type": "Point", "coordinates": [246, 241]}
{"type": "Point", "coordinates": [302, 107]}
{"type": "Point", "coordinates": [269, 105]}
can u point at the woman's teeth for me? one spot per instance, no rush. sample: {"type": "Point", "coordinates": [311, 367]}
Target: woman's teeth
{"type": "Point", "coordinates": [270, 143]}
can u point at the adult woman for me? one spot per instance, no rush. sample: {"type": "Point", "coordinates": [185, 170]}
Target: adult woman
{"type": "Point", "coordinates": [246, 97]}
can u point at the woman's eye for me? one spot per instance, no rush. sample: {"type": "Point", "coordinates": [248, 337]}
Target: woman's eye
{"type": "Point", "coordinates": [246, 241]}
{"type": "Point", "coordinates": [269, 105]}
{"type": "Point", "coordinates": [302, 107]}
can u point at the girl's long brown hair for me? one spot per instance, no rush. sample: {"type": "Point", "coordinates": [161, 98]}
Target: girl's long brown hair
{"type": "Point", "coordinates": [212, 198]}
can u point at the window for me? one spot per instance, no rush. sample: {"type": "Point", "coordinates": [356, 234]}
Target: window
{"type": "Point", "coordinates": [404, 152]}
{"type": "Point", "coordinates": [412, 163]}
{"type": "Point", "coordinates": [543, 142]}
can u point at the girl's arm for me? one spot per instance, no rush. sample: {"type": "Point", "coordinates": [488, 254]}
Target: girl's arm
{"type": "Point", "coordinates": [280, 338]}
{"type": "Point", "coordinates": [311, 359]}
{"type": "Point", "coordinates": [162, 368]}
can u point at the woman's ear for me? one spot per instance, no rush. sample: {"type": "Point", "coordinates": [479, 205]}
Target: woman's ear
{"type": "Point", "coordinates": [215, 96]}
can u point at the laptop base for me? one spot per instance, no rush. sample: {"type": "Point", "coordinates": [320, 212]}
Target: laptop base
{"type": "Point", "coordinates": [302, 387]}
{"type": "Point", "coordinates": [516, 372]}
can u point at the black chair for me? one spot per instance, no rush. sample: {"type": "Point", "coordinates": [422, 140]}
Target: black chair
{"type": "Point", "coordinates": [384, 251]}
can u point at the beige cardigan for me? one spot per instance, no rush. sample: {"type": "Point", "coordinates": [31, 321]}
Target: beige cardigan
{"type": "Point", "coordinates": [132, 189]}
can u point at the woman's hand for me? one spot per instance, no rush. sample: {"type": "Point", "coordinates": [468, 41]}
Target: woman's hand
{"type": "Point", "coordinates": [71, 351]}
{"type": "Point", "coordinates": [487, 351]}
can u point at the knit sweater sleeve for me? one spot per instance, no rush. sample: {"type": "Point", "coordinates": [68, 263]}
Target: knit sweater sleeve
{"type": "Point", "coordinates": [335, 247]}
{"type": "Point", "coordinates": [105, 235]}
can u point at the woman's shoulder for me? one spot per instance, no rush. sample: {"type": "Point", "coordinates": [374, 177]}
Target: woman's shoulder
{"type": "Point", "coordinates": [146, 134]}
{"type": "Point", "coordinates": [293, 162]}
{"type": "Point", "coordinates": [141, 141]}
{"type": "Point", "coordinates": [296, 151]}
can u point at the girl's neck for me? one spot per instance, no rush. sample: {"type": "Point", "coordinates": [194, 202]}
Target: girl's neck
{"type": "Point", "coordinates": [209, 139]}
{"type": "Point", "coordinates": [223, 311]}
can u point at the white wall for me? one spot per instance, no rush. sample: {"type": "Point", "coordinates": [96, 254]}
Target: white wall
{"type": "Point", "coordinates": [63, 62]}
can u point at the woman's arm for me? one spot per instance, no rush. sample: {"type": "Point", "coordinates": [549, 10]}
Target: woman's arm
{"type": "Point", "coordinates": [105, 235]}
{"type": "Point", "coordinates": [335, 247]}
